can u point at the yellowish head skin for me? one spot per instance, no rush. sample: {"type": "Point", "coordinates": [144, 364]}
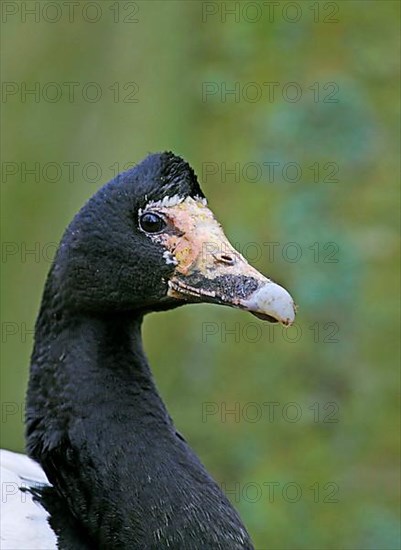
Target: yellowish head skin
{"type": "Point", "coordinates": [195, 243]}
{"type": "Point", "coordinates": [198, 239]}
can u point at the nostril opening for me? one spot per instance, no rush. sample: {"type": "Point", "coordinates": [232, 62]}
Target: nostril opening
{"type": "Point", "coordinates": [226, 259]}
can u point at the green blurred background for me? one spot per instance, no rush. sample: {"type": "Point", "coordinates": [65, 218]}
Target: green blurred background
{"type": "Point", "coordinates": [335, 429]}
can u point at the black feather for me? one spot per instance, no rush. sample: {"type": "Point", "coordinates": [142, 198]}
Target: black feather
{"type": "Point", "coordinates": [122, 477]}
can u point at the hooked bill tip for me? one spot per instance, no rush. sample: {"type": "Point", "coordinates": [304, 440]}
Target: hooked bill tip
{"type": "Point", "coordinates": [271, 301]}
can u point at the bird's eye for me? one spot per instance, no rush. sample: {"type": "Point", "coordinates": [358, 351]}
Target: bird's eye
{"type": "Point", "coordinates": [152, 223]}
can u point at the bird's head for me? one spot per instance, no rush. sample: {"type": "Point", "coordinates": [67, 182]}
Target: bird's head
{"type": "Point", "coordinates": [147, 241]}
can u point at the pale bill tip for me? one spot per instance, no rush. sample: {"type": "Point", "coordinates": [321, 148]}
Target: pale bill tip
{"type": "Point", "coordinates": [272, 299]}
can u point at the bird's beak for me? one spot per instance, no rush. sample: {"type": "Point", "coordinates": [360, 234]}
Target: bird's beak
{"type": "Point", "coordinates": [209, 269]}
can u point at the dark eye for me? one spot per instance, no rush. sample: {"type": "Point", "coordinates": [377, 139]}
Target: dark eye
{"type": "Point", "coordinates": [151, 222]}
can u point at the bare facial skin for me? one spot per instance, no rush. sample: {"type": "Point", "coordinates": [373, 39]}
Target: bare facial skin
{"type": "Point", "coordinates": [195, 243]}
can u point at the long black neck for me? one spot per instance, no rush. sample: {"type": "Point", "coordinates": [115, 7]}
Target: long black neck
{"type": "Point", "coordinates": [122, 477]}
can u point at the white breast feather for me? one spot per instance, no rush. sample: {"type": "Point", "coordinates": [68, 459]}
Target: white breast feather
{"type": "Point", "coordinates": [24, 524]}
